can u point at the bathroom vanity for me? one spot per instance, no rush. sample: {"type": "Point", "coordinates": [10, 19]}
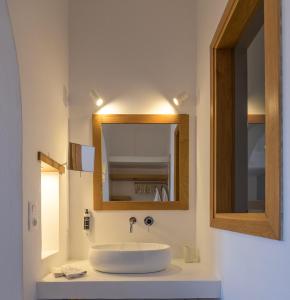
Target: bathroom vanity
{"type": "Point", "coordinates": [141, 162]}
{"type": "Point", "coordinates": [179, 281]}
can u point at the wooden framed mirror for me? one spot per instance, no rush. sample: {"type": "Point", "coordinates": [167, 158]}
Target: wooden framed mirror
{"type": "Point", "coordinates": [141, 162]}
{"type": "Point", "coordinates": [246, 119]}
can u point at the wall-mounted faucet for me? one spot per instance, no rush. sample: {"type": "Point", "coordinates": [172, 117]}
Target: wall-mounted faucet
{"type": "Point", "coordinates": [132, 221]}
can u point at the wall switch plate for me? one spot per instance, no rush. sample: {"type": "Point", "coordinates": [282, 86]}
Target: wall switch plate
{"type": "Point", "coordinates": [32, 216]}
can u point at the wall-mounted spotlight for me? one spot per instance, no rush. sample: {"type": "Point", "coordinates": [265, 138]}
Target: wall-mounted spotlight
{"type": "Point", "coordinates": [180, 98]}
{"type": "Point", "coordinates": [98, 100]}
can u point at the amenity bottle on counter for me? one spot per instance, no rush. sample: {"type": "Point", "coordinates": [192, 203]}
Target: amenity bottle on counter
{"type": "Point", "coordinates": [87, 220]}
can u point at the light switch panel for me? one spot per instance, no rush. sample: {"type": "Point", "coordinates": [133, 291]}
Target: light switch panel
{"type": "Point", "coordinates": [32, 216]}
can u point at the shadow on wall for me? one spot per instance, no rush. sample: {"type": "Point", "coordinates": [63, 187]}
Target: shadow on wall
{"type": "Point", "coordinates": [10, 160]}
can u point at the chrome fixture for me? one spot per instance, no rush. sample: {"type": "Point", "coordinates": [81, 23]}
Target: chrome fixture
{"type": "Point", "coordinates": [98, 100]}
{"type": "Point", "coordinates": [180, 98]}
{"type": "Point", "coordinates": [148, 221]}
{"type": "Point", "coordinates": [132, 221]}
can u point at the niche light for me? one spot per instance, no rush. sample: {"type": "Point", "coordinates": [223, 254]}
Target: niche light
{"type": "Point", "coordinates": [98, 100]}
{"type": "Point", "coordinates": [180, 99]}
{"type": "Point", "coordinates": [49, 213]}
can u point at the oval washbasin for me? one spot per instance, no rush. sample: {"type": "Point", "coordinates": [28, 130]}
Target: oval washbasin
{"type": "Point", "coordinates": [130, 257]}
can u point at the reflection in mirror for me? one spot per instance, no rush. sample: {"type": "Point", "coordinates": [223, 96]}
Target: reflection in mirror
{"type": "Point", "coordinates": [81, 157]}
{"type": "Point", "coordinates": [256, 124]}
{"type": "Point", "coordinates": [249, 117]}
{"type": "Point", "coordinates": [139, 162]}
{"type": "Point", "coordinates": [256, 167]}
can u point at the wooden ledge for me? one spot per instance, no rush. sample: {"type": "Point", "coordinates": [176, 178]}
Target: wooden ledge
{"type": "Point", "coordinates": [55, 166]}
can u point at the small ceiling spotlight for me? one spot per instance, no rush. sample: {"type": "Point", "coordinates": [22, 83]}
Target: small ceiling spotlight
{"type": "Point", "coordinates": [178, 100]}
{"type": "Point", "coordinates": [98, 100]}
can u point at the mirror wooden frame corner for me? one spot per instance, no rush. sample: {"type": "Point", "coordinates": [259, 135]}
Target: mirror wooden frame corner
{"type": "Point", "coordinates": [183, 188]}
{"type": "Point", "coordinates": [236, 15]}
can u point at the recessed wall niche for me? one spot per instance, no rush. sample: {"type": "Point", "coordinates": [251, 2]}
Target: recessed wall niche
{"type": "Point", "coordinates": [50, 172]}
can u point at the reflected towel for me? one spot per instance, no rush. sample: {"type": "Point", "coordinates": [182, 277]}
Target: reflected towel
{"type": "Point", "coordinates": [157, 197]}
{"type": "Point", "coordinates": [164, 194]}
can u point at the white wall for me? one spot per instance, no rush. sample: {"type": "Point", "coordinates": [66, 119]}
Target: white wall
{"type": "Point", "coordinates": [40, 30]}
{"type": "Point", "coordinates": [251, 268]}
{"type": "Point", "coordinates": [10, 161]}
{"type": "Point", "coordinates": [136, 54]}
{"type": "Point", "coordinates": [137, 139]}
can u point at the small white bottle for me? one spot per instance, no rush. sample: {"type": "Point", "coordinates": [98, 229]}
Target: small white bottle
{"type": "Point", "coordinates": [190, 254]}
{"type": "Point", "coordinates": [87, 220]}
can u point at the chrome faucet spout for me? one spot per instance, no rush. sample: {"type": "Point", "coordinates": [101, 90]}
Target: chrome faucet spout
{"type": "Point", "coordinates": [132, 221]}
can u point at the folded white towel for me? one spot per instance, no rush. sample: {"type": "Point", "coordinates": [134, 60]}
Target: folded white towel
{"type": "Point", "coordinates": [57, 272]}
{"type": "Point", "coordinates": [73, 272]}
{"type": "Point", "coordinates": [69, 272]}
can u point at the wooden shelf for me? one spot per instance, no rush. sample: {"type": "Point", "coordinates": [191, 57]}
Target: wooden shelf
{"type": "Point", "coordinates": [49, 165]}
{"type": "Point", "coordinates": [256, 118]}
{"type": "Point", "coordinates": [120, 198]}
{"type": "Point", "coordinates": [139, 177]}
{"type": "Point", "coordinates": [139, 161]}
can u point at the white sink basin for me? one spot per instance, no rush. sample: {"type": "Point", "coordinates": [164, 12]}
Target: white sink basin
{"type": "Point", "coordinates": [130, 257]}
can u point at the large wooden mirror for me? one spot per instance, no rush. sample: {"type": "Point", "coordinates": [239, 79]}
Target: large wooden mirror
{"type": "Point", "coordinates": [141, 162]}
{"type": "Point", "coordinates": [245, 119]}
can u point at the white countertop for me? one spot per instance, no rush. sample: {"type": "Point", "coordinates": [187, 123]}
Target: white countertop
{"type": "Point", "coordinates": [179, 281]}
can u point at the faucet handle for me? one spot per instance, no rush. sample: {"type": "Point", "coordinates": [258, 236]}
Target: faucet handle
{"type": "Point", "coordinates": [148, 221]}
{"type": "Point", "coordinates": [132, 220]}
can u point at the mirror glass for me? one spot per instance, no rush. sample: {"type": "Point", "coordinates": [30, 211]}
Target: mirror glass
{"type": "Point", "coordinates": [81, 157]}
{"type": "Point", "coordinates": [256, 167]}
{"type": "Point", "coordinates": [250, 118]}
{"type": "Point", "coordinates": [139, 162]}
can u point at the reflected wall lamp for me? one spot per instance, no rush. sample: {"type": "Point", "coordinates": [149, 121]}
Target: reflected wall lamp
{"type": "Point", "coordinates": [180, 99]}
{"type": "Point", "coordinates": [98, 100]}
